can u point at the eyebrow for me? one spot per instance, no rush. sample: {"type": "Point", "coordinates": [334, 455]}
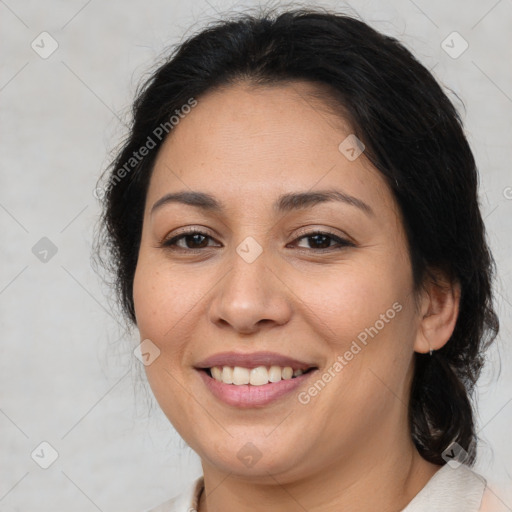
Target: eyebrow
{"type": "Point", "coordinates": [284, 203]}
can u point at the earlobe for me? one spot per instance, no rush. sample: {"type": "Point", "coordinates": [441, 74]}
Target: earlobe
{"type": "Point", "coordinates": [438, 315]}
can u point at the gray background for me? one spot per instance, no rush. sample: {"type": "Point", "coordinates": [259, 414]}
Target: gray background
{"type": "Point", "coordinates": [66, 369]}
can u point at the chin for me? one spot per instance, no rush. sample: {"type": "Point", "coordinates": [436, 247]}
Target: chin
{"type": "Point", "coordinates": [254, 457]}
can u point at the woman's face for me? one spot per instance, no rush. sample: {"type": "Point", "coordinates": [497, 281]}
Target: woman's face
{"type": "Point", "coordinates": [258, 288]}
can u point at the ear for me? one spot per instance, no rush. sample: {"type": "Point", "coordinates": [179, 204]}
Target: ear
{"type": "Point", "coordinates": [439, 309]}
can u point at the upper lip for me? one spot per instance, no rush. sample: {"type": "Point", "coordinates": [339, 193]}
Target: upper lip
{"type": "Point", "coordinates": [252, 360]}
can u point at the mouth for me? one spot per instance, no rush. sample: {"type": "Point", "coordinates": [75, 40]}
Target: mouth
{"type": "Point", "coordinates": [258, 376]}
{"type": "Point", "coordinates": [256, 369]}
{"type": "Point", "coordinates": [253, 380]}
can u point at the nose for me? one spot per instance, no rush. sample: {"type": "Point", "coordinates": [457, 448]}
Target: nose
{"type": "Point", "coordinates": [251, 296]}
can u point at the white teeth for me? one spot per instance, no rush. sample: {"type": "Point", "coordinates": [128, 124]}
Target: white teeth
{"type": "Point", "coordinates": [259, 376]}
{"type": "Point", "coordinates": [287, 373]}
{"type": "Point", "coordinates": [227, 375]}
{"type": "Point", "coordinates": [274, 374]}
{"type": "Point", "coordinates": [217, 373]}
{"type": "Point", "coordinates": [240, 376]}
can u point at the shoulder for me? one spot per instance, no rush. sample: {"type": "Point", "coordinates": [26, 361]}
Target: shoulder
{"type": "Point", "coordinates": [451, 489]}
{"type": "Point", "coordinates": [186, 501]}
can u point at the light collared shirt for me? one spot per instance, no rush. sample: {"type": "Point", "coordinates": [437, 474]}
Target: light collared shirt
{"type": "Point", "coordinates": [449, 490]}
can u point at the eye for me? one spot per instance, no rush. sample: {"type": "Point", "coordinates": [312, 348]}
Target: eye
{"type": "Point", "coordinates": [321, 240]}
{"type": "Point", "coordinates": [190, 240]}
{"type": "Point", "coordinates": [197, 240]}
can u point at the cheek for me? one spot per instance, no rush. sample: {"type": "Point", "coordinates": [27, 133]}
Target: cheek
{"type": "Point", "coordinates": [365, 315]}
{"type": "Point", "coordinates": [163, 316]}
{"type": "Point", "coordinates": [345, 302]}
{"type": "Point", "coordinates": [162, 297]}
{"type": "Point", "coordinates": [170, 304]}
{"type": "Point", "coordinates": [149, 299]}
{"type": "Point", "coordinates": [367, 320]}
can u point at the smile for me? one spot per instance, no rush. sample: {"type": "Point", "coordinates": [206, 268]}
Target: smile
{"type": "Point", "coordinates": [247, 395]}
{"type": "Point", "coordinates": [259, 376]}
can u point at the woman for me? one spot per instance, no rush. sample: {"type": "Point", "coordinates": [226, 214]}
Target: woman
{"type": "Point", "coordinates": [296, 234]}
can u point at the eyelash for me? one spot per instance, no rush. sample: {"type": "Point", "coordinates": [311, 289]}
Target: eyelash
{"type": "Point", "coordinates": [342, 243]}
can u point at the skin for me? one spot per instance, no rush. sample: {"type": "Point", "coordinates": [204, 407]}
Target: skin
{"type": "Point", "coordinates": [349, 448]}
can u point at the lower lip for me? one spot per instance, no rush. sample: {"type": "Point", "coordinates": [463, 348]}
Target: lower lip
{"type": "Point", "coordinates": [246, 396]}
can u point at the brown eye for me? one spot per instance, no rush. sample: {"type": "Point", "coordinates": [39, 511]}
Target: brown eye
{"type": "Point", "coordinates": [322, 240]}
{"type": "Point", "coordinates": [318, 240]}
{"type": "Point", "coordinates": [189, 240]}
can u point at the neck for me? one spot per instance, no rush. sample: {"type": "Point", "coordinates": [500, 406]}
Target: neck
{"type": "Point", "coordinates": [386, 483]}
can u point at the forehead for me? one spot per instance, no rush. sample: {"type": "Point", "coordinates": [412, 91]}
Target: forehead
{"type": "Point", "coordinates": [243, 142]}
